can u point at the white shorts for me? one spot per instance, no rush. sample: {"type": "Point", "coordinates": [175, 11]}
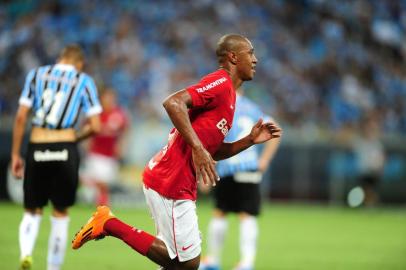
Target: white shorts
{"type": "Point", "coordinates": [176, 225]}
{"type": "Point", "coordinates": [100, 168]}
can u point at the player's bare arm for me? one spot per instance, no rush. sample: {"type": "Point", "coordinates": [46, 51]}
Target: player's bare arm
{"type": "Point", "coordinates": [17, 163]}
{"type": "Point", "coordinates": [91, 127]}
{"type": "Point", "coordinates": [123, 142]}
{"type": "Point", "coordinates": [177, 106]}
{"type": "Point", "coordinates": [260, 133]}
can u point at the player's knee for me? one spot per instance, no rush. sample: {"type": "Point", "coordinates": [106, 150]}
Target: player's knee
{"type": "Point", "coordinates": [34, 211]}
{"type": "Point", "coordinates": [190, 265]}
{"type": "Point", "coordinates": [194, 266]}
{"type": "Point", "coordinates": [245, 215]}
{"type": "Point", "coordinates": [217, 213]}
{"type": "Point", "coordinates": [59, 211]}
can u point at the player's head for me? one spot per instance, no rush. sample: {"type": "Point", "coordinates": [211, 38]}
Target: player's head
{"type": "Point", "coordinates": [108, 98]}
{"type": "Point", "coordinates": [72, 54]}
{"type": "Point", "coordinates": [234, 50]}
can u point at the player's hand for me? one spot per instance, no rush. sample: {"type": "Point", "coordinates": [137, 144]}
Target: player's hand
{"type": "Point", "coordinates": [204, 166]}
{"type": "Point", "coordinates": [17, 166]}
{"type": "Point", "coordinates": [262, 132]}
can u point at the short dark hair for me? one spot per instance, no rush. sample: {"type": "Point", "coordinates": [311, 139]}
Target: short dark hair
{"type": "Point", "coordinates": [227, 43]}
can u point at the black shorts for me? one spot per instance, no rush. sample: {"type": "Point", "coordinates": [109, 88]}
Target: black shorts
{"type": "Point", "coordinates": [369, 180]}
{"type": "Point", "coordinates": [232, 196]}
{"type": "Point", "coordinates": [51, 173]}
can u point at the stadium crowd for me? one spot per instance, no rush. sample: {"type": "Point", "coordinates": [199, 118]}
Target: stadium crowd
{"type": "Point", "coordinates": [323, 65]}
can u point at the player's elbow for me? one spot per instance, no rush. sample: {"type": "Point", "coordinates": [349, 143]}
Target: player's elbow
{"type": "Point", "coordinates": [95, 124]}
{"type": "Point", "coordinates": [218, 156]}
{"type": "Point", "coordinates": [171, 103]}
{"type": "Point", "coordinates": [96, 128]}
{"type": "Point", "coordinates": [21, 116]}
{"type": "Point", "coordinates": [20, 119]}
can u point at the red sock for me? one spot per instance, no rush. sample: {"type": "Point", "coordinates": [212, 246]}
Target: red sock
{"type": "Point", "coordinates": [137, 239]}
{"type": "Point", "coordinates": [103, 198]}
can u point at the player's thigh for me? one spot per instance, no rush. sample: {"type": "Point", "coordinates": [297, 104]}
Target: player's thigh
{"type": "Point", "coordinates": [186, 230]}
{"type": "Point", "coordinates": [100, 168]}
{"type": "Point", "coordinates": [176, 224]}
{"type": "Point", "coordinates": [250, 198]}
{"type": "Point", "coordinates": [36, 179]}
{"type": "Point", "coordinates": [65, 178]}
{"type": "Point", "coordinates": [225, 197]}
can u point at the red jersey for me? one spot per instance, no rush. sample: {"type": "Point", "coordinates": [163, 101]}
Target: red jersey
{"type": "Point", "coordinates": [113, 124]}
{"type": "Point", "coordinates": [171, 172]}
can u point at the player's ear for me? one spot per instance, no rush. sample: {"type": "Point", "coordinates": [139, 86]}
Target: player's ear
{"type": "Point", "coordinates": [232, 57]}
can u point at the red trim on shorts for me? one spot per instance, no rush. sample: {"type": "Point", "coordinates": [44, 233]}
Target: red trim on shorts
{"type": "Point", "coordinates": [173, 230]}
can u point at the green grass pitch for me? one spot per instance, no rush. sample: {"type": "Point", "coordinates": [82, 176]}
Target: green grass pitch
{"type": "Point", "coordinates": [291, 237]}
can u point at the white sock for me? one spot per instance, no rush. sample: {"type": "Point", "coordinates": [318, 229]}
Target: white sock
{"type": "Point", "coordinates": [57, 242]}
{"type": "Point", "coordinates": [28, 233]}
{"type": "Point", "coordinates": [53, 267]}
{"type": "Point", "coordinates": [217, 230]}
{"type": "Point", "coordinates": [248, 241]}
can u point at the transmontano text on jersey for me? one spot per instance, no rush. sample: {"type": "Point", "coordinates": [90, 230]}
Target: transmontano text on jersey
{"type": "Point", "coordinates": [211, 85]}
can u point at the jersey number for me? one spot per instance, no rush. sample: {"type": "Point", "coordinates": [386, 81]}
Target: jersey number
{"type": "Point", "coordinates": [50, 99]}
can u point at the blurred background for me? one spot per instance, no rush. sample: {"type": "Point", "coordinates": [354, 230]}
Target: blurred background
{"type": "Point", "coordinates": [331, 72]}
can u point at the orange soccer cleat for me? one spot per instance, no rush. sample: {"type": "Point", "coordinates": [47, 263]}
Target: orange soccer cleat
{"type": "Point", "coordinates": [93, 229]}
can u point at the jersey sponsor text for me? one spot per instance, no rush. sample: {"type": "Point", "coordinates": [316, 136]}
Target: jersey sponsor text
{"type": "Point", "coordinates": [211, 85]}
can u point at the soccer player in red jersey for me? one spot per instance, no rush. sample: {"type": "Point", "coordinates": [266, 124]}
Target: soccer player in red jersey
{"type": "Point", "coordinates": [202, 115]}
{"type": "Point", "coordinates": [104, 149]}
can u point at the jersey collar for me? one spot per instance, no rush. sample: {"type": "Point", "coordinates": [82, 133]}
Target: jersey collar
{"type": "Point", "coordinates": [65, 67]}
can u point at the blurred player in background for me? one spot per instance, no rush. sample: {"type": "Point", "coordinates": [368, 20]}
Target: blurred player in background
{"type": "Point", "coordinates": [202, 115]}
{"type": "Point", "coordinates": [239, 188]}
{"type": "Point", "coordinates": [56, 95]}
{"type": "Point", "coordinates": [105, 149]}
{"type": "Point", "coordinates": [370, 154]}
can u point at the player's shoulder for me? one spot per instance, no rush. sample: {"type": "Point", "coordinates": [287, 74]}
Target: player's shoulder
{"type": "Point", "coordinates": [40, 69]}
{"type": "Point", "coordinates": [87, 79]}
{"type": "Point", "coordinates": [120, 110]}
{"type": "Point", "coordinates": [247, 102]}
{"type": "Point", "coordinates": [249, 106]}
{"type": "Point", "coordinates": [31, 73]}
{"type": "Point", "coordinates": [215, 80]}
{"type": "Point", "coordinates": [85, 75]}
{"type": "Point", "coordinates": [216, 75]}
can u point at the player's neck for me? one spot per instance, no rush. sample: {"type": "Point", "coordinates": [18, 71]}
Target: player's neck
{"type": "Point", "coordinates": [237, 82]}
{"type": "Point", "coordinates": [225, 69]}
{"type": "Point", "coordinates": [69, 63]}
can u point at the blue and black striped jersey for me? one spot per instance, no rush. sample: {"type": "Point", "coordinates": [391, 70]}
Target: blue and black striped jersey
{"type": "Point", "coordinates": [247, 113]}
{"type": "Point", "coordinates": [57, 94]}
